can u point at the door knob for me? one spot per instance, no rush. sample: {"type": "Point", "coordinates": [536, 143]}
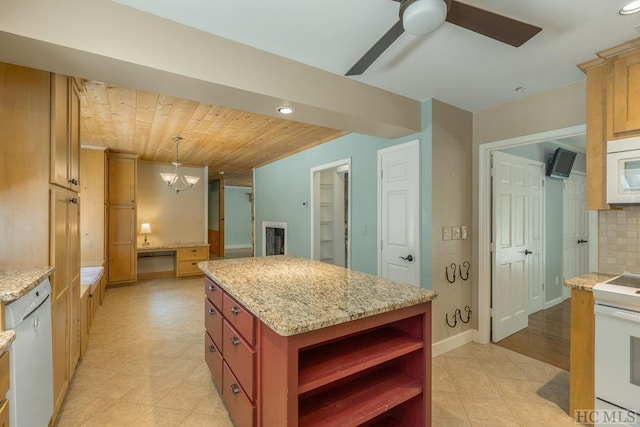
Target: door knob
{"type": "Point", "coordinates": [527, 252]}
{"type": "Point", "coordinates": [407, 258]}
{"type": "Point", "coordinates": [583, 241]}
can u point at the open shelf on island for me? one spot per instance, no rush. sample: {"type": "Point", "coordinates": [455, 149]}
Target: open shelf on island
{"type": "Point", "coordinates": [360, 400]}
{"type": "Point", "coordinates": [322, 365]}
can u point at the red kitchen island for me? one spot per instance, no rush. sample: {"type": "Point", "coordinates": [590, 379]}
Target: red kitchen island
{"type": "Point", "coordinates": [294, 342]}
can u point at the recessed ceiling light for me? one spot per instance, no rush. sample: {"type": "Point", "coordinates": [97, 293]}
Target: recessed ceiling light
{"type": "Point", "coordinates": [221, 173]}
{"type": "Point", "coordinates": [631, 7]}
{"type": "Point", "coordinates": [285, 109]}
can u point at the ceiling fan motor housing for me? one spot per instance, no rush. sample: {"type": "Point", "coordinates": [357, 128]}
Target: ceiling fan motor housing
{"type": "Point", "coordinates": [423, 16]}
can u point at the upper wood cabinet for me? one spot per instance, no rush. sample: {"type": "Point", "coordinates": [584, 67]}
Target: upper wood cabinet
{"type": "Point", "coordinates": [626, 95]}
{"type": "Point", "coordinates": [121, 179]}
{"type": "Point", "coordinates": [613, 110]}
{"type": "Point", "coordinates": [65, 132]}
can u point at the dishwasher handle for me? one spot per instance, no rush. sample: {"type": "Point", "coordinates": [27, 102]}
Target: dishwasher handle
{"type": "Point", "coordinates": [36, 308]}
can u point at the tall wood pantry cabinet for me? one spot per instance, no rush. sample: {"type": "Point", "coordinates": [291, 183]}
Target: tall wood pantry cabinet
{"type": "Point", "coordinates": [121, 218]}
{"type": "Point", "coordinates": [39, 203]}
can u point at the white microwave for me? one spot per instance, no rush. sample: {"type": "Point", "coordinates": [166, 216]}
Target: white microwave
{"type": "Point", "coordinates": [623, 171]}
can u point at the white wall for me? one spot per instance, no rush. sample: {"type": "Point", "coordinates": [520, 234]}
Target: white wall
{"type": "Point", "coordinates": [174, 218]}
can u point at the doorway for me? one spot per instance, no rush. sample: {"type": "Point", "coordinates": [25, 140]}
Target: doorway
{"type": "Point", "coordinates": [331, 213]}
{"type": "Point", "coordinates": [483, 226]}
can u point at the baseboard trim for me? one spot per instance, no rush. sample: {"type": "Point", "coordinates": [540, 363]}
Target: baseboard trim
{"type": "Point", "coordinates": [451, 343]}
{"type": "Point", "coordinates": [553, 302]}
{"type": "Point", "coordinates": [237, 247]}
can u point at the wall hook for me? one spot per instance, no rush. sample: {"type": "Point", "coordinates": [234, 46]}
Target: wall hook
{"type": "Point", "coordinates": [453, 268]}
{"type": "Point", "coordinates": [455, 319]}
{"type": "Point", "coordinates": [466, 264]}
{"type": "Point", "coordinates": [468, 310]}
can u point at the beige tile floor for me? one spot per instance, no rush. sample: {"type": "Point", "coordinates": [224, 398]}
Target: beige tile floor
{"type": "Point", "coordinates": [144, 366]}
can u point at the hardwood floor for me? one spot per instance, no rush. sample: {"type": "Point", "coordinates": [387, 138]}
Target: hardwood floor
{"type": "Point", "coordinates": [547, 337]}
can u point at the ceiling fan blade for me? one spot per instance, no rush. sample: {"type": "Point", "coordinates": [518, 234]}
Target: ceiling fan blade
{"type": "Point", "coordinates": [377, 49]}
{"type": "Point", "coordinates": [497, 27]}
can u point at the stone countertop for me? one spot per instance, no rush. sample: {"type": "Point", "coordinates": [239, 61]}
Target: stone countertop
{"type": "Point", "coordinates": [6, 338]}
{"type": "Point", "coordinates": [170, 246]}
{"type": "Point", "coordinates": [586, 282]}
{"type": "Point", "coordinates": [294, 295]}
{"type": "Point", "coordinates": [15, 282]}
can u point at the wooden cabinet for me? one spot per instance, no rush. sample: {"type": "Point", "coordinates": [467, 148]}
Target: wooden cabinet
{"type": "Point", "coordinates": [371, 371]}
{"type": "Point", "coordinates": [613, 110]}
{"type": "Point", "coordinates": [626, 95]}
{"type": "Point", "coordinates": [4, 388]}
{"type": "Point", "coordinates": [230, 353]}
{"type": "Point", "coordinates": [39, 213]}
{"type": "Point", "coordinates": [187, 260]}
{"type": "Point", "coordinates": [121, 218]}
{"type": "Point", "coordinates": [65, 132]}
{"type": "Point", "coordinates": [65, 284]}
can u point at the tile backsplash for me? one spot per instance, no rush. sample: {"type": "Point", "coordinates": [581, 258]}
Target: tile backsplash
{"type": "Point", "coordinates": [618, 238]}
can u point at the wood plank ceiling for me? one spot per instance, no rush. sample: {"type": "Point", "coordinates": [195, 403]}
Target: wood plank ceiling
{"type": "Point", "coordinates": [226, 140]}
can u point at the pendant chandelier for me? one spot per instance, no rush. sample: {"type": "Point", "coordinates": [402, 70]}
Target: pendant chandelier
{"type": "Point", "coordinates": [177, 181]}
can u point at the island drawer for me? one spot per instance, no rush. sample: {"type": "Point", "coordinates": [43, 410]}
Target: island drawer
{"type": "Point", "coordinates": [240, 409]}
{"type": "Point", "coordinates": [214, 292]}
{"type": "Point", "coordinates": [213, 322]}
{"type": "Point", "coordinates": [200, 253]}
{"type": "Point", "coordinates": [213, 358]}
{"type": "Point", "coordinates": [240, 357]}
{"type": "Point", "coordinates": [240, 318]}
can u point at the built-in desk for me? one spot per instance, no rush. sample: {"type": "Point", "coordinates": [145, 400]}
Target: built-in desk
{"type": "Point", "coordinates": [187, 256]}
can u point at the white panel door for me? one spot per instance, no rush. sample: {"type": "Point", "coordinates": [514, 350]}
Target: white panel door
{"type": "Point", "coordinates": [575, 223]}
{"type": "Point", "coordinates": [536, 238]}
{"type": "Point", "coordinates": [509, 290]}
{"type": "Point", "coordinates": [399, 230]}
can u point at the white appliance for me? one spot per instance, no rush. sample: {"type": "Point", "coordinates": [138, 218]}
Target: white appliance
{"type": "Point", "coordinates": [617, 345]}
{"type": "Point", "coordinates": [623, 171]}
{"type": "Point", "coordinates": [31, 368]}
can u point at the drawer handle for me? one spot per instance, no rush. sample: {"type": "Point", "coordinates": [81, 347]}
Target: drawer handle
{"type": "Point", "coordinates": [234, 310]}
{"type": "Point", "coordinates": [211, 312]}
{"type": "Point", "coordinates": [193, 250]}
{"type": "Point", "coordinates": [235, 389]}
{"type": "Point", "coordinates": [212, 288]}
{"type": "Point", "coordinates": [212, 348]}
{"type": "Point", "coordinates": [193, 263]}
{"type": "Point", "coordinates": [235, 340]}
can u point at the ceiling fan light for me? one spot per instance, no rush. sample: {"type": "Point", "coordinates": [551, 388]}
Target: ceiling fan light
{"type": "Point", "coordinates": [423, 16]}
{"type": "Point", "coordinates": [631, 7]}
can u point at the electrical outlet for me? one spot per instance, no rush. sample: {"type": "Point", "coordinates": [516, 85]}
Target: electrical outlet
{"type": "Point", "coordinates": [455, 232]}
{"type": "Point", "coordinates": [464, 234]}
{"type": "Point", "coordinates": [446, 233]}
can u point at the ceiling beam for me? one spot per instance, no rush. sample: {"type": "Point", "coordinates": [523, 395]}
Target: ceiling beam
{"type": "Point", "coordinates": [106, 41]}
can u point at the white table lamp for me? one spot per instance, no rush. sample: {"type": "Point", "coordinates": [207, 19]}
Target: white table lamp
{"type": "Point", "coordinates": [145, 229]}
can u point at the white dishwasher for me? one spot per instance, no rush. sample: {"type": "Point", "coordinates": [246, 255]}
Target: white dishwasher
{"type": "Point", "coordinates": [31, 370]}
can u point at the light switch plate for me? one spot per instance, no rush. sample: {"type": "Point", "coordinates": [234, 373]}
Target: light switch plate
{"type": "Point", "coordinates": [465, 233]}
{"type": "Point", "coordinates": [455, 232]}
{"type": "Point", "coordinates": [446, 233]}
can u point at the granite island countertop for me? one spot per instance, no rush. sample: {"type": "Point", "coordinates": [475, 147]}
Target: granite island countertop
{"type": "Point", "coordinates": [15, 282]}
{"type": "Point", "coordinates": [294, 295]}
{"type": "Point", "coordinates": [586, 282]}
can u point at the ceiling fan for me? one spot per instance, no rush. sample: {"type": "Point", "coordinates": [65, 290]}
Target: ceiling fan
{"type": "Point", "coordinates": [423, 16]}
